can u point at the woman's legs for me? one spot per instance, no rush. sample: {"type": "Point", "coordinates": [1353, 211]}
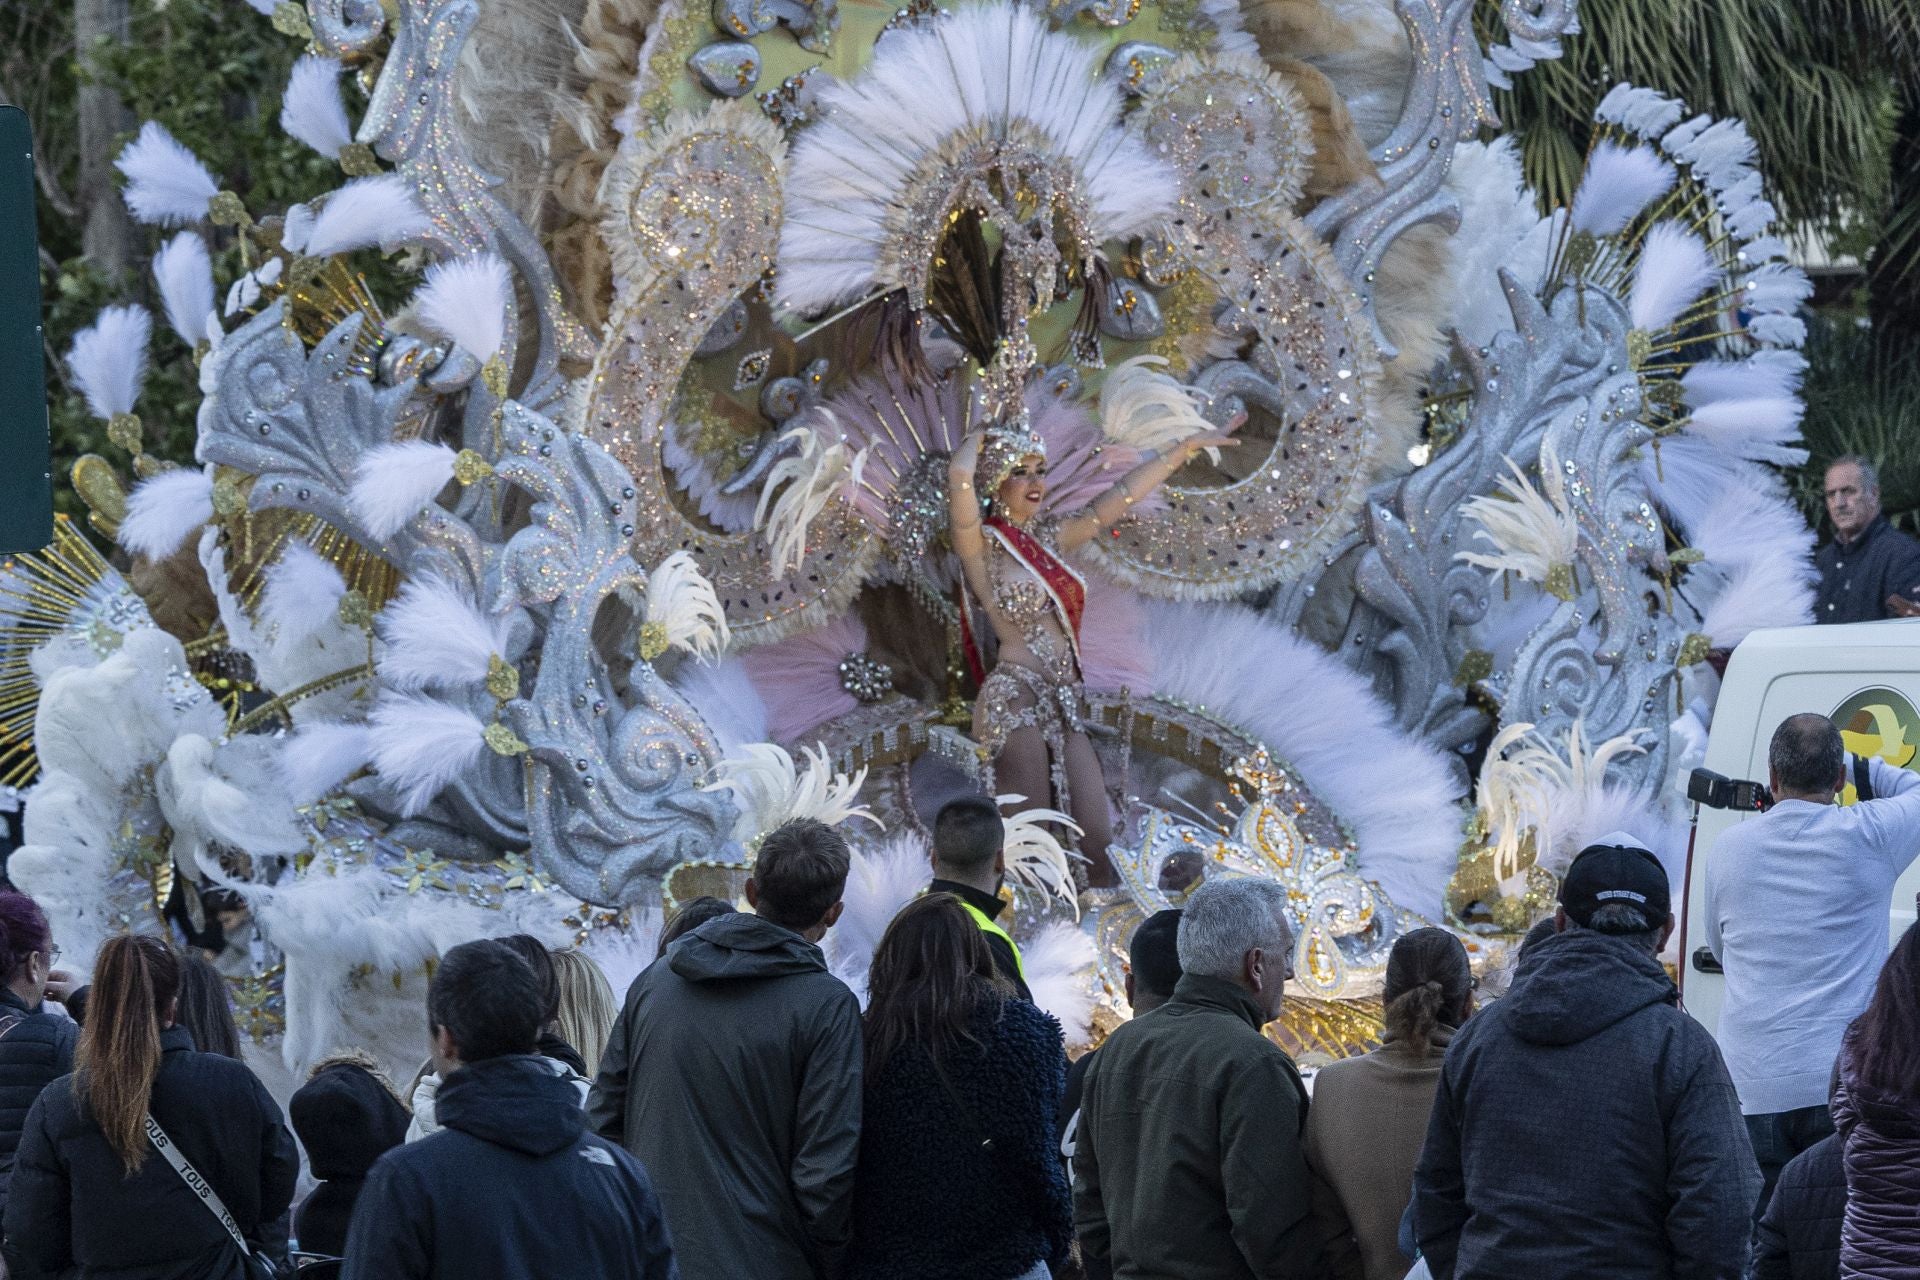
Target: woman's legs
{"type": "Point", "coordinates": [1087, 784]}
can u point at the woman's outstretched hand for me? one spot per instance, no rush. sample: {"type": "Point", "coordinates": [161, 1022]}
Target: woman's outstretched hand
{"type": "Point", "coordinates": [967, 456]}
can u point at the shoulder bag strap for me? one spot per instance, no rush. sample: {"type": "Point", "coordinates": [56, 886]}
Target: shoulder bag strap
{"type": "Point", "coordinates": [199, 1185]}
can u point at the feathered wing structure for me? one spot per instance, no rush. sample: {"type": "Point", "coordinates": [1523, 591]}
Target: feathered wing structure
{"type": "Point", "coordinates": [108, 360]}
{"type": "Point", "coordinates": [1143, 406]}
{"type": "Point", "coordinates": [312, 110]}
{"type": "Point", "coordinates": [988, 72]}
{"type": "Point", "coordinates": [1059, 961]}
{"type": "Point", "coordinates": [378, 211]}
{"type": "Point", "coordinates": [1035, 856]}
{"type": "Point", "coordinates": [1535, 535]}
{"type": "Point", "coordinates": [466, 300]}
{"type": "Point", "coordinates": [1320, 717]}
{"type": "Point", "coordinates": [682, 604]}
{"type": "Point", "coordinates": [1620, 182]}
{"type": "Point", "coordinates": [798, 676]}
{"type": "Point", "coordinates": [167, 186]}
{"type": "Point", "coordinates": [435, 636]}
{"type": "Point", "coordinates": [183, 272]}
{"type": "Point", "coordinates": [164, 511]}
{"type": "Point", "coordinates": [396, 482]}
{"type": "Point", "coordinates": [770, 788]}
{"type": "Point", "coordinates": [799, 489]}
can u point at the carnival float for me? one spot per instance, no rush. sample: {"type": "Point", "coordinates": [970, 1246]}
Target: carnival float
{"type": "Point", "coordinates": [1174, 417]}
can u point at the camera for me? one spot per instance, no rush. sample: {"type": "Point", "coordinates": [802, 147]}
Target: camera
{"type": "Point", "coordinates": [1717, 791]}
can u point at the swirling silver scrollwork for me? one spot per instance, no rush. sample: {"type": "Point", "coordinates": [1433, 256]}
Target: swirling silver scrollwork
{"type": "Point", "coordinates": [1445, 104]}
{"type": "Point", "coordinates": [411, 122]}
{"type": "Point", "coordinates": [613, 800]}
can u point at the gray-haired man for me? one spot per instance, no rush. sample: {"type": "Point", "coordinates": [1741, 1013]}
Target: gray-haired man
{"type": "Point", "coordinates": [1188, 1161]}
{"type": "Point", "coordinates": [1870, 570]}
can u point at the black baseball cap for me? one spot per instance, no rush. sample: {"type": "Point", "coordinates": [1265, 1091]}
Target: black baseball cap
{"type": "Point", "coordinates": [1616, 869]}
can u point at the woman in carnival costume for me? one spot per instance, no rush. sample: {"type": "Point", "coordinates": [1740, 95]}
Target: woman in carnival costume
{"type": "Point", "coordinates": [1027, 717]}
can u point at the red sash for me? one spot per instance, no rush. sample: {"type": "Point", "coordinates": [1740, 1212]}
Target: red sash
{"type": "Point", "coordinates": [1066, 588]}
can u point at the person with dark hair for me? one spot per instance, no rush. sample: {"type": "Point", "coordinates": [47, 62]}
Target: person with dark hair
{"type": "Point", "coordinates": [1876, 1111]}
{"type": "Point", "coordinates": [152, 1161]}
{"type": "Point", "coordinates": [1796, 903]}
{"type": "Point", "coordinates": [970, 862]}
{"type": "Point", "coordinates": [1870, 570]}
{"type": "Point", "coordinates": [958, 1176]}
{"type": "Point", "coordinates": [1370, 1113]}
{"type": "Point", "coordinates": [36, 1044]}
{"type": "Point", "coordinates": [513, 1185]}
{"type": "Point", "coordinates": [205, 1010]}
{"type": "Point", "coordinates": [733, 1072]}
{"type": "Point", "coordinates": [1153, 970]}
{"type": "Point", "coordinates": [691, 917]}
{"type": "Point", "coordinates": [1188, 1161]}
{"type": "Point", "coordinates": [346, 1116]}
{"type": "Point", "coordinates": [1584, 1125]}
{"type": "Point", "coordinates": [1798, 1238]}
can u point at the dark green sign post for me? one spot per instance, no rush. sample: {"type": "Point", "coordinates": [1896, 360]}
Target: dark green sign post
{"type": "Point", "coordinates": [26, 468]}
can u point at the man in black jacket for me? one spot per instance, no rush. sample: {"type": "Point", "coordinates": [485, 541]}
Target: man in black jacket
{"type": "Point", "coordinates": [512, 1185]}
{"type": "Point", "coordinates": [969, 862]}
{"type": "Point", "coordinates": [1585, 1125]}
{"type": "Point", "coordinates": [733, 1072]}
{"type": "Point", "coordinates": [1870, 570]}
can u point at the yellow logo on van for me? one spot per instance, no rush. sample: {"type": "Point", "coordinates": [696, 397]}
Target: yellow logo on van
{"type": "Point", "coordinates": [1879, 722]}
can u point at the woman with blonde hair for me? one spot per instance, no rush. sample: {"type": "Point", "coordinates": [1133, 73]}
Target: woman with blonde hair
{"type": "Point", "coordinates": [587, 1008]}
{"type": "Point", "coordinates": [106, 1176]}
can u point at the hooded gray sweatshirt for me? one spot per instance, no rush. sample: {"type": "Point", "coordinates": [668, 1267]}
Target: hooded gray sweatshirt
{"type": "Point", "coordinates": [733, 1073]}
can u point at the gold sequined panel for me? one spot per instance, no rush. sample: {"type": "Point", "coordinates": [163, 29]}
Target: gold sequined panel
{"type": "Point", "coordinates": [692, 223]}
{"type": "Point", "coordinates": [1238, 136]}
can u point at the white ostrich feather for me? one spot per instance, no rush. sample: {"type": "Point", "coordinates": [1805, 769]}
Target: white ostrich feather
{"type": "Point", "coordinates": [881, 879]}
{"type": "Point", "coordinates": [680, 598]}
{"type": "Point", "coordinates": [807, 483]}
{"type": "Point", "coordinates": [108, 359]}
{"type": "Point", "coordinates": [224, 795]}
{"type": "Point", "coordinates": [316, 758]}
{"type": "Point", "coordinates": [1760, 428]}
{"type": "Point", "coordinates": [167, 185]}
{"type": "Point", "coordinates": [1764, 249]}
{"type": "Point", "coordinates": [1396, 793]}
{"type": "Point", "coordinates": [435, 637]}
{"type": "Point", "coordinates": [1721, 153]}
{"type": "Point", "coordinates": [1752, 220]}
{"type": "Point", "coordinates": [1035, 856]}
{"type": "Point", "coordinates": [1674, 269]}
{"type": "Point", "coordinates": [769, 788]}
{"type": "Point", "coordinates": [1528, 785]}
{"type": "Point", "coordinates": [1683, 134]}
{"type": "Point", "coordinates": [313, 110]}
{"type": "Point", "coordinates": [466, 300]}
{"type": "Point", "coordinates": [1766, 374]}
{"type": "Point", "coordinates": [1639, 111]}
{"type": "Point", "coordinates": [1777, 287]}
{"type": "Point", "coordinates": [302, 594]}
{"type": "Point", "coordinates": [1531, 531]}
{"type": "Point", "coordinates": [1751, 519]}
{"type": "Point", "coordinates": [1778, 331]}
{"type": "Point", "coordinates": [1618, 184]}
{"type": "Point", "coordinates": [164, 511]}
{"type": "Point", "coordinates": [1058, 960]}
{"type": "Point", "coordinates": [183, 272]}
{"type": "Point", "coordinates": [396, 482]}
{"type": "Point", "coordinates": [724, 695]}
{"type": "Point", "coordinates": [984, 72]}
{"type": "Point", "coordinates": [1759, 593]}
{"type": "Point", "coordinates": [420, 744]}
{"type": "Point", "coordinates": [245, 291]}
{"type": "Point", "coordinates": [365, 212]}
{"type": "Point", "coordinates": [1151, 410]}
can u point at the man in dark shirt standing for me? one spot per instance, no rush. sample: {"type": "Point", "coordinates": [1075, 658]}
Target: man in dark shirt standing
{"type": "Point", "coordinates": [1870, 570]}
{"type": "Point", "coordinates": [969, 862]}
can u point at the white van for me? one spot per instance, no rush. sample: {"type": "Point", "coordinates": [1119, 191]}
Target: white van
{"type": "Point", "coordinates": [1867, 677]}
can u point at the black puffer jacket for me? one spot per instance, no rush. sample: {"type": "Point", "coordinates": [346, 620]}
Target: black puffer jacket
{"type": "Point", "coordinates": [1799, 1238]}
{"type": "Point", "coordinates": [1880, 1149]}
{"type": "Point", "coordinates": [1586, 1126]}
{"type": "Point", "coordinates": [931, 1200]}
{"type": "Point", "coordinates": [512, 1187]}
{"type": "Point", "coordinates": [73, 1207]}
{"type": "Point", "coordinates": [36, 1048]}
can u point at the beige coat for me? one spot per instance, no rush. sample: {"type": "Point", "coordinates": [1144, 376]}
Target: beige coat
{"type": "Point", "coordinates": [1364, 1132]}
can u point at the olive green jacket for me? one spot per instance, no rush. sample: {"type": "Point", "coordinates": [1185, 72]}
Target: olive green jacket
{"type": "Point", "coordinates": [1189, 1161]}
